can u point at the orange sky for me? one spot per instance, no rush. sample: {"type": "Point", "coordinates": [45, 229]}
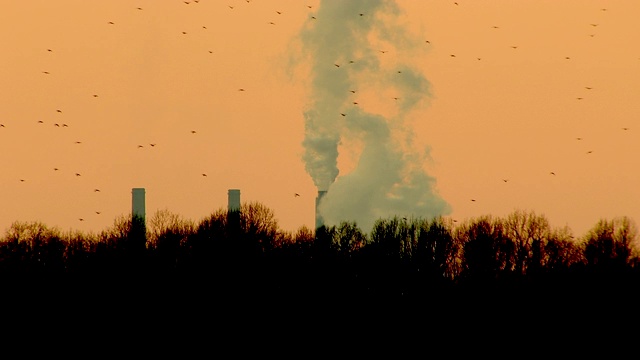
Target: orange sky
{"type": "Point", "coordinates": [510, 104]}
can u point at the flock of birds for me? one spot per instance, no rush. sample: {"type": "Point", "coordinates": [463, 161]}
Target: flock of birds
{"type": "Point", "coordinates": [337, 65]}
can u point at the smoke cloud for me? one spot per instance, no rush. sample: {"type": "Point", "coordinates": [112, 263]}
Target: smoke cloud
{"type": "Point", "coordinates": [353, 49]}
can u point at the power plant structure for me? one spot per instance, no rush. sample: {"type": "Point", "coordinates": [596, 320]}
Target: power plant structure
{"type": "Point", "coordinates": [319, 220]}
{"type": "Point", "coordinates": [138, 202]}
{"type": "Point", "coordinates": [138, 207]}
{"type": "Point", "coordinates": [234, 200]}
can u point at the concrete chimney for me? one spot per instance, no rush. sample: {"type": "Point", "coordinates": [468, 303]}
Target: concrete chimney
{"type": "Point", "coordinates": [138, 202]}
{"type": "Point", "coordinates": [234, 200]}
{"type": "Point", "coordinates": [319, 220]}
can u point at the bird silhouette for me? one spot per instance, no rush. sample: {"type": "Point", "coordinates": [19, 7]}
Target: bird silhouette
{"type": "Point", "coordinates": [78, 174]}
{"type": "Point", "coordinates": [336, 65]}
{"type": "Point", "coordinates": [352, 91]}
{"type": "Point", "coordinates": [193, 131]}
{"type": "Point", "coordinates": [81, 219]}
{"type": "Point", "coordinates": [40, 122]}
{"type": "Point", "coordinates": [22, 180]}
{"type": "Point", "coordinates": [578, 138]}
{"type": "Point", "coordinates": [95, 95]}
{"type": "Point", "coordinates": [45, 72]}
{"type": "Point", "coordinates": [452, 55]}
{"type": "Point", "coordinates": [140, 146]}
{"type": "Point", "coordinates": [152, 145]}
{"type": "Point", "coordinates": [96, 190]}
{"type": "Point", "coordinates": [241, 89]}
{"type": "Point", "coordinates": [625, 128]}
{"type": "Point", "coordinates": [58, 110]}
{"type": "Point", "coordinates": [343, 114]}
{"type": "Point", "coordinates": [204, 174]}
{"type": "Point", "coordinates": [65, 125]}
{"type": "Point", "coordinates": [111, 23]}
{"type": "Point", "coordinates": [2, 125]}
{"type": "Point", "coordinates": [505, 180]}
{"type": "Point", "coordinates": [589, 152]}
{"type": "Point", "coordinates": [552, 173]}
{"type": "Point", "coordinates": [55, 169]}
{"type": "Point", "coordinates": [98, 212]}
{"type": "Point", "coordinates": [296, 194]}
{"type": "Point", "coordinates": [473, 199]}
{"type": "Point", "coordinates": [78, 142]}
{"type": "Point", "coordinates": [56, 124]}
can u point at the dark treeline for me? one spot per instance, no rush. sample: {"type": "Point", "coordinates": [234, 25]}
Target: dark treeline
{"type": "Point", "coordinates": [245, 252]}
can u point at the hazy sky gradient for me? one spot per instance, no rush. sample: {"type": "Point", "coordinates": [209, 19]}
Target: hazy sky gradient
{"type": "Point", "coordinates": [464, 122]}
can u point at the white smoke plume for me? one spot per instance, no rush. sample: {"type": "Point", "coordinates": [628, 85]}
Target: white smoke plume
{"type": "Point", "coordinates": [352, 47]}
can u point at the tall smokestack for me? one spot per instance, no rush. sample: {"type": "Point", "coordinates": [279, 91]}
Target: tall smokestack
{"type": "Point", "coordinates": [234, 200]}
{"type": "Point", "coordinates": [319, 220]}
{"type": "Point", "coordinates": [138, 202]}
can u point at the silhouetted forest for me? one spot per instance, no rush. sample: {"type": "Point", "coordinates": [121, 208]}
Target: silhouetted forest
{"type": "Point", "coordinates": [246, 253]}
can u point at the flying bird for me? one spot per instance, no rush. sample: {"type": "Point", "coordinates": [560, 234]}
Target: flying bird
{"type": "Point", "coordinates": [184, 33]}
{"type": "Point", "coordinates": [352, 91]}
{"type": "Point", "coordinates": [152, 145]}
{"type": "Point", "coordinates": [140, 146]}
{"type": "Point", "coordinates": [296, 195]}
{"type": "Point", "coordinates": [473, 199]}
{"type": "Point", "coordinates": [589, 152]}
{"type": "Point", "coordinates": [55, 169]}
{"type": "Point", "coordinates": [58, 110]}
{"type": "Point", "coordinates": [578, 138]}
{"type": "Point", "coordinates": [81, 219]}
{"type": "Point", "coordinates": [98, 212]}
{"type": "Point", "coordinates": [336, 65]}
{"type": "Point", "coordinates": [56, 124]}
{"type": "Point", "coordinates": [96, 190]}
{"type": "Point", "coordinates": [204, 174]}
{"type": "Point", "coordinates": [65, 125]}
{"type": "Point", "coordinates": [505, 180]}
{"type": "Point", "coordinates": [49, 50]}
{"type": "Point", "coordinates": [193, 131]}
{"type": "Point", "coordinates": [95, 95]}
{"type": "Point", "coordinates": [624, 128]}
{"type": "Point", "coordinates": [1, 125]}
{"type": "Point", "coordinates": [343, 114]}
{"type": "Point", "coordinates": [21, 180]}
{"type": "Point", "coordinates": [45, 72]}
{"type": "Point", "coordinates": [452, 55]}
{"type": "Point", "coordinates": [78, 142]}
{"type": "Point", "coordinates": [111, 22]}
{"type": "Point", "coordinates": [40, 122]}
{"type": "Point", "coordinates": [78, 174]}
{"type": "Point", "coordinates": [278, 12]}
{"type": "Point", "coordinates": [552, 173]}
{"type": "Point", "coordinates": [241, 89]}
